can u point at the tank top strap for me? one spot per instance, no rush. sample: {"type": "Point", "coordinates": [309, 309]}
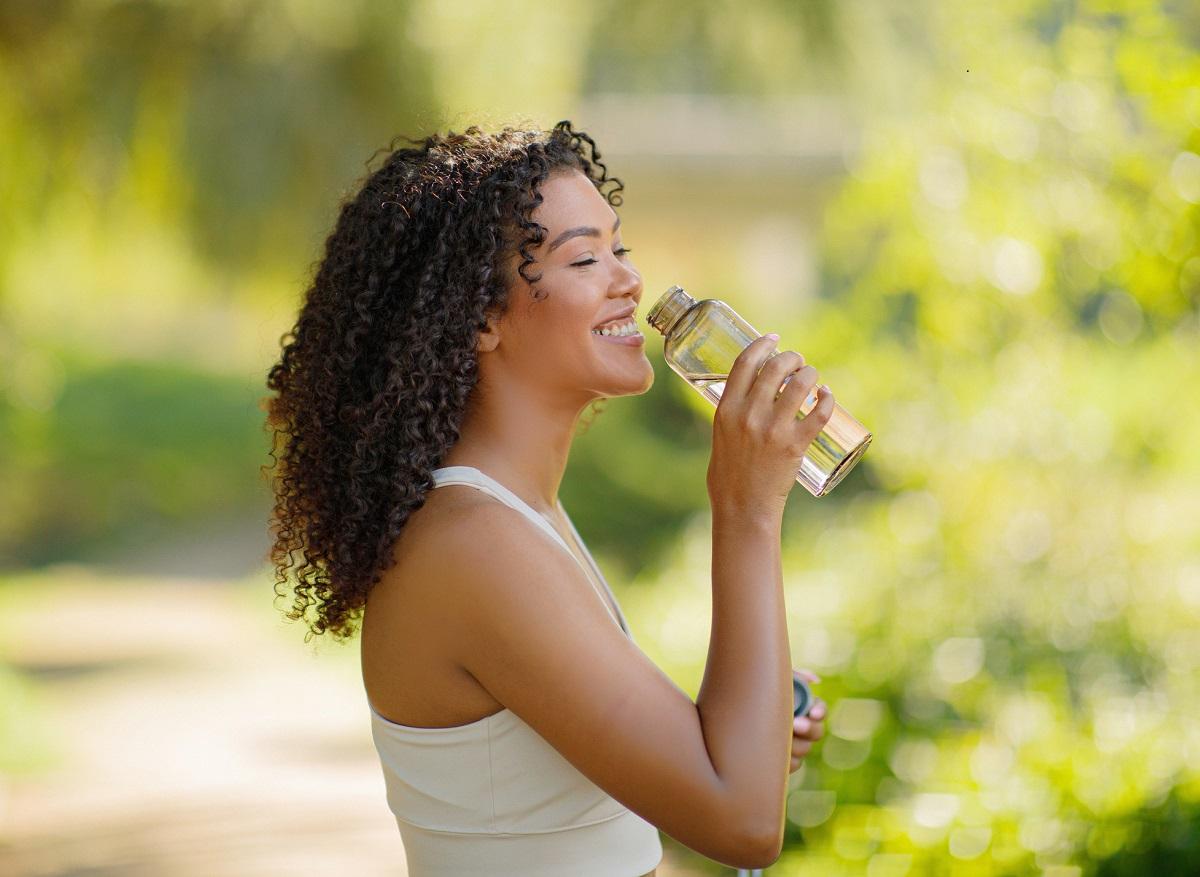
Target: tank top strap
{"type": "Point", "coordinates": [476, 478]}
{"type": "Point", "coordinates": [599, 575]}
{"type": "Point", "coordinates": [473, 477]}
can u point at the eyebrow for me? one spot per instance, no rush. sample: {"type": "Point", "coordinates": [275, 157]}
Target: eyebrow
{"type": "Point", "coordinates": [583, 230]}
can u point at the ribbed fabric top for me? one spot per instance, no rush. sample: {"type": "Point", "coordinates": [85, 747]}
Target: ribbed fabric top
{"type": "Point", "coordinates": [492, 796]}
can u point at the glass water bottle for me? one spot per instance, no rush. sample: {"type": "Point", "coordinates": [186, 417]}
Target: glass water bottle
{"type": "Point", "coordinates": [703, 338]}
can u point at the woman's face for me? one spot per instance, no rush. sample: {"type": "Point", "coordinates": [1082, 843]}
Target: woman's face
{"type": "Point", "coordinates": [586, 280]}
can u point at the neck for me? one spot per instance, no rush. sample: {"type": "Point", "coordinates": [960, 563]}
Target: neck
{"type": "Point", "coordinates": [520, 439]}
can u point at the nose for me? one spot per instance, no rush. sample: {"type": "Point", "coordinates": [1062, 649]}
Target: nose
{"type": "Point", "coordinates": [627, 282]}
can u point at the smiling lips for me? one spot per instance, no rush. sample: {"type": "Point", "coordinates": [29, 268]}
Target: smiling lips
{"type": "Point", "coordinates": [619, 317]}
{"type": "Point", "coordinates": [624, 332]}
{"type": "Point", "coordinates": [617, 327]}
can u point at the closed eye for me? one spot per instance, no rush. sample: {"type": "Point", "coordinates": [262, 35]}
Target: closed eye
{"type": "Point", "coordinates": [619, 252]}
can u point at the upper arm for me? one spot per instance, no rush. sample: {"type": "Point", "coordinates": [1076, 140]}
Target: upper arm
{"type": "Point", "coordinates": [537, 637]}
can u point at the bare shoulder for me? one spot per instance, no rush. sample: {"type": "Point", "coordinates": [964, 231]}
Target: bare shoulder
{"type": "Point", "coordinates": [410, 629]}
{"type": "Point", "coordinates": [436, 565]}
{"type": "Point", "coordinates": [538, 638]}
{"type": "Point", "coordinates": [437, 524]}
{"type": "Point", "coordinates": [440, 557]}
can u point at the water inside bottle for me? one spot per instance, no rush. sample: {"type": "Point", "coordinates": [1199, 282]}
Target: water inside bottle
{"type": "Point", "coordinates": [712, 386]}
{"type": "Point", "coordinates": [825, 462]}
{"type": "Point", "coordinates": [703, 341]}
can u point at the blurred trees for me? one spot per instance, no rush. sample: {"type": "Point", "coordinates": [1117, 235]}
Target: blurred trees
{"type": "Point", "coordinates": [1004, 604]}
{"type": "Point", "coordinates": [1002, 598]}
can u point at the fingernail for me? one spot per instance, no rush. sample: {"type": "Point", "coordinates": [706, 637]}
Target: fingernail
{"type": "Point", "coordinates": [801, 724]}
{"type": "Point", "coordinates": [772, 335]}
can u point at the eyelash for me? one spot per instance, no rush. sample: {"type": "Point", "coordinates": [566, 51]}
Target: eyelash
{"type": "Point", "coordinates": [622, 251]}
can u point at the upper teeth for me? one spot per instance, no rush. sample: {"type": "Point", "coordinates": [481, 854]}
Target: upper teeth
{"type": "Point", "coordinates": [629, 327]}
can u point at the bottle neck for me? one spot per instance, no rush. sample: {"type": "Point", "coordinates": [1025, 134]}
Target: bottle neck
{"type": "Point", "coordinates": [669, 309]}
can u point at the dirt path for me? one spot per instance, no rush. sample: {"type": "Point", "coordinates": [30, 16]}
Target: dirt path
{"type": "Point", "coordinates": [188, 731]}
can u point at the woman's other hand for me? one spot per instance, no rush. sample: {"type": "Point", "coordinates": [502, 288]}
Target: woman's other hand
{"type": "Point", "coordinates": [807, 730]}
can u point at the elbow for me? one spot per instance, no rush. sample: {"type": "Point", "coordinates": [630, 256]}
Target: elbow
{"type": "Point", "coordinates": [757, 850]}
{"type": "Point", "coordinates": [744, 832]}
{"type": "Point", "coordinates": [768, 851]}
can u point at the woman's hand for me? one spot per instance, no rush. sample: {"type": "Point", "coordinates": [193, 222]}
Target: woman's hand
{"type": "Point", "coordinates": [807, 730]}
{"type": "Point", "coordinates": [758, 439]}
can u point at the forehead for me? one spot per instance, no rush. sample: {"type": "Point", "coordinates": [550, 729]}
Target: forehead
{"type": "Point", "coordinates": [570, 198]}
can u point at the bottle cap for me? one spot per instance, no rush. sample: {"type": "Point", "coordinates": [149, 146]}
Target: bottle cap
{"type": "Point", "coordinates": [668, 309]}
{"type": "Point", "coordinates": [802, 697]}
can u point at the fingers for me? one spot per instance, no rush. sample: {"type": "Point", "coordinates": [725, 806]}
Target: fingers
{"type": "Point", "coordinates": [800, 750]}
{"type": "Point", "coordinates": [796, 393]}
{"type": "Point", "coordinates": [785, 364]}
{"type": "Point", "coordinates": [818, 710]}
{"type": "Point", "coordinates": [805, 734]}
{"type": "Point", "coordinates": [798, 377]}
{"type": "Point", "coordinates": [805, 728]}
{"type": "Point", "coordinates": [803, 737]}
{"type": "Point", "coordinates": [746, 366]}
{"type": "Point", "coordinates": [809, 728]}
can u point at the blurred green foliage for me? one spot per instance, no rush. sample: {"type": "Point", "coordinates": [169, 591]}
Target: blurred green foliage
{"type": "Point", "coordinates": [1002, 598]}
{"type": "Point", "coordinates": [1005, 618]}
{"type": "Point", "coordinates": [130, 452]}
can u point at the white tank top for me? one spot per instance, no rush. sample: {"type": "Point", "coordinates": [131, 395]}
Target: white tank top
{"type": "Point", "coordinates": [492, 796]}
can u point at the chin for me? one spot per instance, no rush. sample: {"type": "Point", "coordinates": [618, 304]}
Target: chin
{"type": "Point", "coordinates": [639, 390]}
{"type": "Point", "coordinates": [619, 382]}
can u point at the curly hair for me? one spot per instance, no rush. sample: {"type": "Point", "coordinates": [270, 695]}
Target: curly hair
{"type": "Point", "coordinates": [374, 377]}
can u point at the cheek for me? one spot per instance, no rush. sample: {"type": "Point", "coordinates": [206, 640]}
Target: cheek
{"type": "Point", "coordinates": [566, 338]}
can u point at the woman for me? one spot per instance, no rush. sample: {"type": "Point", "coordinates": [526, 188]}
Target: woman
{"type": "Point", "coordinates": [451, 338]}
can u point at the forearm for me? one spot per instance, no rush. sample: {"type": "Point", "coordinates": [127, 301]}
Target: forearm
{"type": "Point", "coordinates": [745, 699]}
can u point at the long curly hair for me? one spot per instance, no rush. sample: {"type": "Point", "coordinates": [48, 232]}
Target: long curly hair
{"type": "Point", "coordinates": [374, 377]}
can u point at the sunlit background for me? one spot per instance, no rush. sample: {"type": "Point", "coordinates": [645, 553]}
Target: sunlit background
{"type": "Point", "coordinates": [979, 221]}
